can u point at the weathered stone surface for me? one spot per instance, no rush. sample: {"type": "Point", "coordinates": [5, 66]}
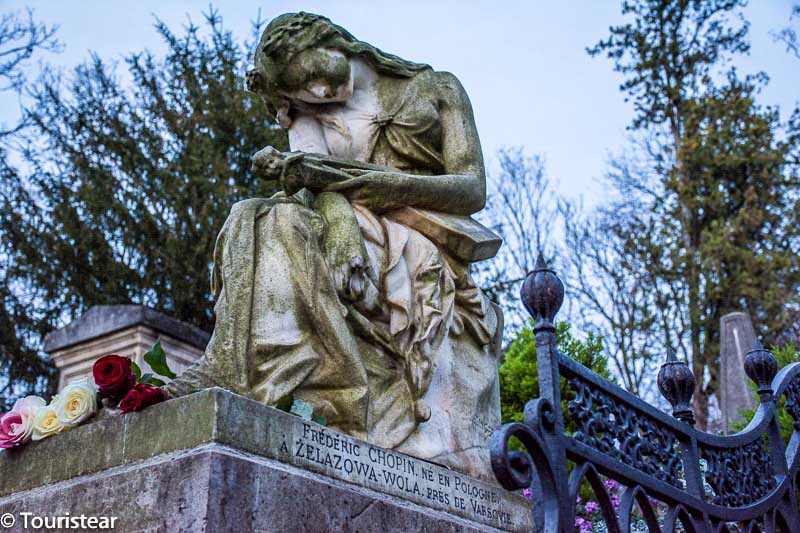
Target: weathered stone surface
{"type": "Point", "coordinates": [736, 339]}
{"type": "Point", "coordinates": [100, 320]}
{"type": "Point", "coordinates": [213, 488]}
{"type": "Point", "coordinates": [350, 289]}
{"type": "Point", "coordinates": [271, 470]}
{"type": "Point", "coordinates": [464, 237]}
{"type": "Point", "coordinates": [127, 330]}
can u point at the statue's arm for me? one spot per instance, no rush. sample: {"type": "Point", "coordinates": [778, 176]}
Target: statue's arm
{"type": "Point", "coordinates": [462, 190]}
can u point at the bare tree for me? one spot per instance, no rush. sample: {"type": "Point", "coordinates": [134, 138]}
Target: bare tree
{"type": "Point", "coordinates": [614, 293]}
{"type": "Point", "coordinates": [789, 35]}
{"type": "Point", "coordinates": [522, 209]}
{"type": "Point", "coordinates": [21, 36]}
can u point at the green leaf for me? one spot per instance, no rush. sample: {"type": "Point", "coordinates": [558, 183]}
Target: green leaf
{"type": "Point", "coordinates": [157, 360]}
{"type": "Point", "coordinates": [302, 408]}
{"type": "Point", "coordinates": [137, 372]}
{"type": "Point", "coordinates": [150, 379]}
{"type": "Point", "coordinates": [285, 403]}
{"type": "Point", "coordinates": [321, 420]}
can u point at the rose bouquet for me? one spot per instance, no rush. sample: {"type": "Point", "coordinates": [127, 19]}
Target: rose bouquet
{"type": "Point", "coordinates": [116, 383]}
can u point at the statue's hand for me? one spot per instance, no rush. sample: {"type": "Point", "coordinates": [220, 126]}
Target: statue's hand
{"type": "Point", "coordinates": [355, 286]}
{"type": "Point", "coordinates": [350, 279]}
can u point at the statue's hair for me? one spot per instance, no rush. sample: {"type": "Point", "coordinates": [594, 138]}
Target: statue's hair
{"type": "Point", "coordinates": [288, 35]}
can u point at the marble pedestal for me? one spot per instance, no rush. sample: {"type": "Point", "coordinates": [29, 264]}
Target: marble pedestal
{"type": "Point", "coordinates": [215, 461]}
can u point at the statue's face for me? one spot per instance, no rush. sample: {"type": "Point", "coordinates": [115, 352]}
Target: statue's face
{"type": "Point", "coordinates": [318, 76]}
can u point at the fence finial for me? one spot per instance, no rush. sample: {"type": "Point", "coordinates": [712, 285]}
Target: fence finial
{"type": "Point", "coordinates": [676, 382]}
{"type": "Point", "coordinates": [542, 294]}
{"type": "Point", "coordinates": [761, 366]}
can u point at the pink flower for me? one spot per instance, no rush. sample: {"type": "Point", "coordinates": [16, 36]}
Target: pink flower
{"type": "Point", "coordinates": [16, 425]}
{"type": "Point", "coordinates": [615, 502]}
{"type": "Point", "coordinates": [592, 507]}
{"type": "Point", "coordinates": [528, 493]}
{"type": "Point", "coordinates": [583, 525]}
{"type": "Point", "coordinates": [611, 485]}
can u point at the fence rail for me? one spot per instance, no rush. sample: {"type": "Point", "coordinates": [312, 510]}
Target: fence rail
{"type": "Point", "coordinates": [670, 476]}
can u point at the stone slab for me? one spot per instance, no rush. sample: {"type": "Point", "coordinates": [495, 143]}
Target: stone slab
{"type": "Point", "coordinates": [213, 488]}
{"type": "Point", "coordinates": [101, 320]}
{"type": "Point", "coordinates": [76, 361]}
{"type": "Point", "coordinates": [217, 417]}
{"type": "Point", "coordinates": [462, 236]}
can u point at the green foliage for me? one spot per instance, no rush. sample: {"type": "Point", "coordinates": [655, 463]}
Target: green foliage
{"type": "Point", "coordinates": [157, 359]}
{"type": "Point", "coordinates": [786, 354]}
{"type": "Point", "coordinates": [137, 372]}
{"type": "Point", "coordinates": [519, 377]}
{"type": "Point", "coordinates": [285, 403]}
{"type": "Point", "coordinates": [22, 367]}
{"type": "Point", "coordinates": [125, 188]}
{"type": "Point", "coordinates": [670, 50]}
{"type": "Point", "coordinates": [711, 205]}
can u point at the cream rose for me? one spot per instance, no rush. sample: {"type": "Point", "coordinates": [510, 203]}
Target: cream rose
{"type": "Point", "coordinates": [76, 402]}
{"type": "Point", "coordinates": [28, 407]}
{"type": "Point", "coordinates": [46, 423]}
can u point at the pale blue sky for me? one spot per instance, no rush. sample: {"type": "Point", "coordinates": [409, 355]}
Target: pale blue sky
{"type": "Point", "coordinates": [523, 63]}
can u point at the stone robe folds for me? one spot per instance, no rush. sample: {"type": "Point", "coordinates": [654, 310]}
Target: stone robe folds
{"type": "Point", "coordinates": [281, 329]}
{"type": "Point", "coordinates": [429, 349]}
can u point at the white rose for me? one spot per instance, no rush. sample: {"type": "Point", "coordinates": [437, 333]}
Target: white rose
{"type": "Point", "coordinates": [76, 402]}
{"type": "Point", "coordinates": [46, 423]}
{"type": "Point", "coordinates": [28, 407]}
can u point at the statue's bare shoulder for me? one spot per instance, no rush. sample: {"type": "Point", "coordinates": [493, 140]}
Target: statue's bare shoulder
{"type": "Point", "coordinates": [450, 90]}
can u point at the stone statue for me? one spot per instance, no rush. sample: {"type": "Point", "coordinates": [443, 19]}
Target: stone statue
{"type": "Point", "coordinates": [350, 289]}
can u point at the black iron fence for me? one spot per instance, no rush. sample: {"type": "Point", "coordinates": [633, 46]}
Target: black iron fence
{"type": "Point", "coordinates": [667, 476]}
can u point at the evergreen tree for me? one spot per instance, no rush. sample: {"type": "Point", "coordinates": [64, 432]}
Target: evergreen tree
{"type": "Point", "coordinates": [519, 375]}
{"type": "Point", "coordinates": [127, 185]}
{"type": "Point", "coordinates": [721, 194]}
{"type": "Point", "coordinates": [21, 367]}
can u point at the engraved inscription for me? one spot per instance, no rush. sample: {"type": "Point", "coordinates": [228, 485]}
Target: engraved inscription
{"type": "Point", "coordinates": [368, 465]}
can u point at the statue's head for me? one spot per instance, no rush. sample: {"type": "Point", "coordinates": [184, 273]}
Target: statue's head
{"type": "Point", "coordinates": [307, 57]}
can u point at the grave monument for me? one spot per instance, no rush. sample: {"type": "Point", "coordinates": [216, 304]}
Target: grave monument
{"type": "Point", "coordinates": [127, 330]}
{"type": "Point", "coordinates": [736, 339]}
{"type": "Point", "coordinates": [348, 291]}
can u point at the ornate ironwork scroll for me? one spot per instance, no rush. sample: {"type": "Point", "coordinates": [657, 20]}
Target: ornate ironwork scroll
{"type": "Point", "coordinates": [645, 466]}
{"type": "Point", "coordinates": [739, 476]}
{"type": "Point", "coordinates": [619, 431]}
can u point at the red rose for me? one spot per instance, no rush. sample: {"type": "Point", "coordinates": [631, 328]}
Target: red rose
{"type": "Point", "coordinates": [113, 376]}
{"type": "Point", "coordinates": [141, 396]}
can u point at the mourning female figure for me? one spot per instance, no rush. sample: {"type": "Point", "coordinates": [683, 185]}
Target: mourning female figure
{"type": "Point", "coordinates": [350, 289]}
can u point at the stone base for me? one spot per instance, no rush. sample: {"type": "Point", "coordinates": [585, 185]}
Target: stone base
{"type": "Point", "coordinates": [214, 461]}
{"type": "Point", "coordinates": [215, 488]}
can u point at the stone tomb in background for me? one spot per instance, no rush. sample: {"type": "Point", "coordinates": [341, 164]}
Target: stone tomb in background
{"type": "Point", "coordinates": [215, 461]}
{"type": "Point", "coordinates": [126, 330]}
{"type": "Point", "coordinates": [736, 339]}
